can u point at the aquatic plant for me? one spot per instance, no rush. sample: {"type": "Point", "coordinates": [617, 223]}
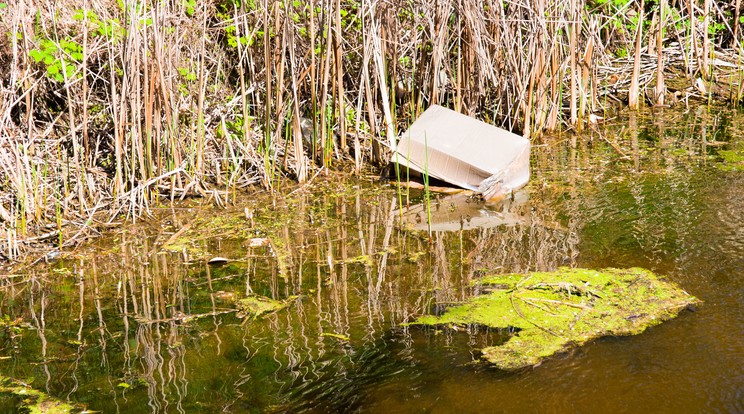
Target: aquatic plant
{"type": "Point", "coordinates": [35, 401]}
{"type": "Point", "coordinates": [551, 312]}
{"type": "Point", "coordinates": [255, 306]}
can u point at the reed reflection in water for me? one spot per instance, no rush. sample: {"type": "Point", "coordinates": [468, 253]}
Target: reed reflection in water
{"type": "Point", "coordinates": [144, 327]}
{"type": "Point", "coordinates": [130, 326]}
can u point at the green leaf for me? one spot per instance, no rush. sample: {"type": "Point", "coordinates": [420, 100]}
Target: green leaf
{"type": "Point", "coordinates": [3, 5]}
{"type": "Point", "coordinates": [123, 385]}
{"type": "Point", "coordinates": [48, 59]}
{"type": "Point", "coordinates": [52, 69]}
{"type": "Point", "coordinates": [37, 55]}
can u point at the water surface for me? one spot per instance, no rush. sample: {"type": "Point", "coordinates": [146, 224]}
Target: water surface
{"type": "Point", "coordinates": [126, 325]}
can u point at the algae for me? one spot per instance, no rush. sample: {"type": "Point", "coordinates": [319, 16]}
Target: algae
{"type": "Point", "coordinates": [192, 237]}
{"type": "Point", "coordinates": [552, 311]}
{"type": "Point", "coordinates": [35, 401]}
{"type": "Point", "coordinates": [733, 159]}
{"type": "Point", "coordinates": [340, 337]}
{"type": "Point", "coordinates": [255, 305]}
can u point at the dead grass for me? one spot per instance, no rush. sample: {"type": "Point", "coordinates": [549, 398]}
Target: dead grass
{"type": "Point", "coordinates": [104, 113]}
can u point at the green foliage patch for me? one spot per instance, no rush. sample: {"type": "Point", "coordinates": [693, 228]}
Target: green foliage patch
{"type": "Point", "coordinates": [60, 59]}
{"type": "Point", "coordinates": [733, 159]}
{"type": "Point", "coordinates": [553, 311]}
{"type": "Point", "coordinates": [255, 306]}
{"type": "Point", "coordinates": [35, 401]}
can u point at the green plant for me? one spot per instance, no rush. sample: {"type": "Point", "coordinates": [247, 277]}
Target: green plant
{"type": "Point", "coordinates": [190, 7]}
{"type": "Point", "coordinates": [427, 190]}
{"type": "Point", "coordinates": [61, 59]}
{"type": "Point", "coordinates": [187, 73]}
{"type": "Point", "coordinates": [11, 327]}
{"type": "Point", "coordinates": [225, 10]}
{"type": "Point", "coordinates": [110, 29]}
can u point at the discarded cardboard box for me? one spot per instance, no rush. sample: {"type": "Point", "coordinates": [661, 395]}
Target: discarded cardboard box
{"type": "Point", "coordinates": [465, 152]}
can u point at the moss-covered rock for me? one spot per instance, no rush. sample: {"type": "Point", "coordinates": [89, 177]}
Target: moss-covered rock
{"type": "Point", "coordinates": [552, 311]}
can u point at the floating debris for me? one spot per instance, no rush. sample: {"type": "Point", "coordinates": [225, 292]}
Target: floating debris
{"type": "Point", "coordinates": [553, 311]}
{"type": "Point", "coordinates": [258, 242]}
{"type": "Point", "coordinates": [225, 296]}
{"type": "Point", "coordinates": [465, 152]}
{"type": "Point", "coordinates": [217, 260]}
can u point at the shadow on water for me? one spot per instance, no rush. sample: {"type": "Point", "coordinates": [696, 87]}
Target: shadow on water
{"type": "Point", "coordinates": [140, 322]}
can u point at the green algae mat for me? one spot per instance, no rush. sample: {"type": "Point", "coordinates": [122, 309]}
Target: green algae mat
{"type": "Point", "coordinates": [553, 311]}
{"type": "Point", "coordinates": [254, 306]}
{"type": "Point", "coordinates": [34, 401]}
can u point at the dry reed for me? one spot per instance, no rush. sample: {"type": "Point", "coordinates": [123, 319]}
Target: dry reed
{"type": "Point", "coordinates": [110, 106]}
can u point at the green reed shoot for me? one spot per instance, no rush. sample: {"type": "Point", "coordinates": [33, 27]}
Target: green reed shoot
{"type": "Point", "coordinates": [427, 192]}
{"type": "Point", "coordinates": [399, 183]}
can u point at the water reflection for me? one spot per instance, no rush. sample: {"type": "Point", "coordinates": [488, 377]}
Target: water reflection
{"type": "Point", "coordinates": [135, 327]}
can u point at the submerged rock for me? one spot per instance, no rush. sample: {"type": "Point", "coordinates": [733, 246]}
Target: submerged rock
{"type": "Point", "coordinates": [553, 311]}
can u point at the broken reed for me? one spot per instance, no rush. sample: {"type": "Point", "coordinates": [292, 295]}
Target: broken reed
{"type": "Point", "coordinates": [109, 105]}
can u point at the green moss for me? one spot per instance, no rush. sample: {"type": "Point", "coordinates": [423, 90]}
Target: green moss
{"type": "Point", "coordinates": [35, 401]}
{"type": "Point", "coordinates": [733, 160]}
{"type": "Point", "coordinates": [208, 226]}
{"type": "Point", "coordinates": [255, 306]}
{"type": "Point", "coordinates": [552, 311]}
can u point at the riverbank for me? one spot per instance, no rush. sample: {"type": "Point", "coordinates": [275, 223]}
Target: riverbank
{"type": "Point", "coordinates": [110, 108]}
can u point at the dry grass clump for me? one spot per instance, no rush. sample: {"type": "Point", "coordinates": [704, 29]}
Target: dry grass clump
{"type": "Point", "coordinates": [107, 106]}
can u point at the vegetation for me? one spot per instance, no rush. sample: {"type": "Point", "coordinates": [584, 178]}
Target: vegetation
{"type": "Point", "coordinates": [255, 306]}
{"type": "Point", "coordinates": [34, 401]}
{"type": "Point", "coordinates": [552, 311]}
{"type": "Point", "coordinates": [107, 107]}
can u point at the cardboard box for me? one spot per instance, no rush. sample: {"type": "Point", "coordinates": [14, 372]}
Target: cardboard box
{"type": "Point", "coordinates": [465, 152]}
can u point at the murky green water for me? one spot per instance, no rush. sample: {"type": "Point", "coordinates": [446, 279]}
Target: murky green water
{"type": "Point", "coordinates": [114, 328]}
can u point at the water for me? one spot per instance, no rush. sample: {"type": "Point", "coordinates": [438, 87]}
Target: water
{"type": "Point", "coordinates": [105, 327]}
